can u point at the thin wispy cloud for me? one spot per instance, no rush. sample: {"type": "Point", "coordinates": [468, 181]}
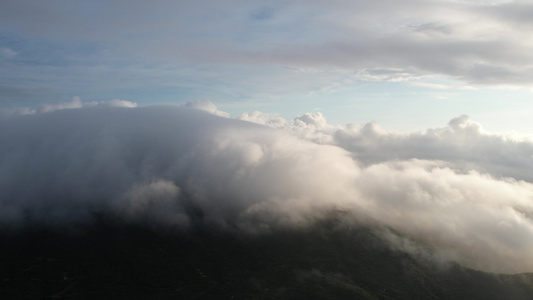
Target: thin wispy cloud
{"type": "Point", "coordinates": [474, 42]}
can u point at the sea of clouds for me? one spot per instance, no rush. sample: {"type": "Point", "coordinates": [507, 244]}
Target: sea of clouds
{"type": "Point", "coordinates": [466, 192]}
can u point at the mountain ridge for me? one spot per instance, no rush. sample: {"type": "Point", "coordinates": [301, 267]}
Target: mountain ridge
{"type": "Point", "coordinates": [325, 260]}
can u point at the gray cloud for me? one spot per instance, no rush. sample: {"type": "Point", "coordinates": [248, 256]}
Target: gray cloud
{"type": "Point", "coordinates": [178, 165]}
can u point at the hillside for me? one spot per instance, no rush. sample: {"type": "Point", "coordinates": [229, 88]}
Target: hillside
{"type": "Point", "coordinates": [324, 261]}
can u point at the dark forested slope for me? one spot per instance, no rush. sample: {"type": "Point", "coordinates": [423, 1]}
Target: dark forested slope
{"type": "Point", "coordinates": [323, 261]}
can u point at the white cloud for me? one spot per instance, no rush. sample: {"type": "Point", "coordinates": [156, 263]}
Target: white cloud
{"type": "Point", "coordinates": [390, 75]}
{"type": "Point", "coordinates": [270, 120]}
{"type": "Point", "coordinates": [167, 164]}
{"type": "Point", "coordinates": [117, 103]}
{"type": "Point", "coordinates": [440, 86]}
{"type": "Point", "coordinates": [462, 143]}
{"type": "Point", "coordinates": [208, 106]}
{"type": "Point", "coordinates": [6, 53]}
{"type": "Point", "coordinates": [309, 126]}
{"type": "Point", "coordinates": [74, 103]}
{"type": "Point", "coordinates": [316, 120]}
{"type": "Point", "coordinates": [158, 200]}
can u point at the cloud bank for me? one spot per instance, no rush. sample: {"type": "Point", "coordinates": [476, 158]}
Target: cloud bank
{"type": "Point", "coordinates": [462, 144]}
{"type": "Point", "coordinates": [464, 191]}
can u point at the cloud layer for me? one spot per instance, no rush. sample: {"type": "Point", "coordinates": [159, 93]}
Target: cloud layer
{"type": "Point", "coordinates": [464, 191]}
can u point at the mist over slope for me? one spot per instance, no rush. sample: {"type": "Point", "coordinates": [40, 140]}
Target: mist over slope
{"type": "Point", "coordinates": [463, 191]}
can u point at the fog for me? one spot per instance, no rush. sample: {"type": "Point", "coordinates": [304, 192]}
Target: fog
{"type": "Point", "coordinates": [463, 191]}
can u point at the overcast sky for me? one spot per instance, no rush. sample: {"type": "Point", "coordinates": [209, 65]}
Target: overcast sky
{"type": "Point", "coordinates": [408, 65]}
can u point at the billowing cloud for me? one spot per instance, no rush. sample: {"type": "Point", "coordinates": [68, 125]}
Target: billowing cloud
{"type": "Point", "coordinates": [463, 143]}
{"type": "Point", "coordinates": [179, 166]}
{"type": "Point", "coordinates": [157, 200]}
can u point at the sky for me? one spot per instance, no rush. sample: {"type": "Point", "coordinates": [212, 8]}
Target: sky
{"type": "Point", "coordinates": [408, 65]}
{"type": "Point", "coordinates": [409, 116]}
